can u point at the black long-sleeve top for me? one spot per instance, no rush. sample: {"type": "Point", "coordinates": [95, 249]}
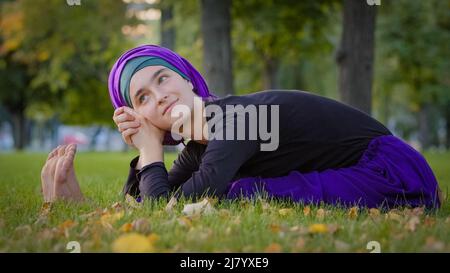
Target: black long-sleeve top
{"type": "Point", "coordinates": [315, 133]}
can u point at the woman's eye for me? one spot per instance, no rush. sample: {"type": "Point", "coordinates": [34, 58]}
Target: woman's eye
{"type": "Point", "coordinates": [142, 98]}
{"type": "Point", "coordinates": [161, 79]}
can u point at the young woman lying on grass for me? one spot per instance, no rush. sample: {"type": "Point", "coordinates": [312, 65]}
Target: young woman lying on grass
{"type": "Point", "coordinates": [319, 149]}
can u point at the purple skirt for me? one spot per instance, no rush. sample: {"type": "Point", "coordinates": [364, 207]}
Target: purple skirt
{"type": "Point", "coordinates": [390, 173]}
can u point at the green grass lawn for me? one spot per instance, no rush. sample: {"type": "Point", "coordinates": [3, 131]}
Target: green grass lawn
{"type": "Point", "coordinates": [260, 225]}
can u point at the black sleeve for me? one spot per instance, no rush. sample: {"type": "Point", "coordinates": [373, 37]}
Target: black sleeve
{"type": "Point", "coordinates": [132, 184]}
{"type": "Point", "coordinates": [219, 165]}
{"type": "Point", "coordinates": [187, 162]}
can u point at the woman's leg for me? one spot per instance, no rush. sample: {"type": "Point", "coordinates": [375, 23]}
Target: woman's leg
{"type": "Point", "coordinates": [390, 173]}
{"type": "Point", "coordinates": [58, 179]}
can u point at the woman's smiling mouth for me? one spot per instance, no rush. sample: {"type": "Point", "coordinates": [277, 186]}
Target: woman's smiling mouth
{"type": "Point", "coordinates": [169, 107]}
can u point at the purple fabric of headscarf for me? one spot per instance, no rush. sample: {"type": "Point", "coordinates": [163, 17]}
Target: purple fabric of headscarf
{"type": "Point", "coordinates": [198, 82]}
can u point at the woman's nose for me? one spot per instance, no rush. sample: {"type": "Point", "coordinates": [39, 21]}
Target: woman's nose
{"type": "Point", "coordinates": [161, 97]}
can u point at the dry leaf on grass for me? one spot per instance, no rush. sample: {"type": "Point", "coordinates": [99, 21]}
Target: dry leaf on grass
{"type": "Point", "coordinates": [412, 223]}
{"type": "Point", "coordinates": [318, 228]}
{"type": "Point", "coordinates": [43, 214]}
{"type": "Point", "coordinates": [429, 221]}
{"type": "Point", "coordinates": [171, 205]}
{"type": "Point", "coordinates": [374, 213]}
{"type": "Point", "coordinates": [127, 227]}
{"type": "Point", "coordinates": [306, 211]}
{"type": "Point", "coordinates": [153, 238]}
{"type": "Point", "coordinates": [394, 215]}
{"type": "Point", "coordinates": [320, 214]}
{"type": "Point", "coordinates": [353, 213]}
{"type": "Point", "coordinates": [132, 243]}
{"type": "Point", "coordinates": [203, 207]}
{"type": "Point", "coordinates": [275, 228]}
{"type": "Point", "coordinates": [63, 228]}
{"type": "Point", "coordinates": [273, 248]}
{"type": "Point", "coordinates": [108, 219]}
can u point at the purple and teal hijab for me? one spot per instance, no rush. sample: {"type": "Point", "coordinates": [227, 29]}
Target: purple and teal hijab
{"type": "Point", "coordinates": [147, 55]}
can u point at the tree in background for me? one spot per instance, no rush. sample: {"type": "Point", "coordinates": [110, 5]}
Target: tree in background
{"type": "Point", "coordinates": [268, 34]}
{"type": "Point", "coordinates": [56, 59]}
{"type": "Point", "coordinates": [415, 63]}
{"type": "Point", "coordinates": [356, 54]}
{"type": "Point", "coordinates": [217, 53]}
{"type": "Point", "coordinates": [167, 25]}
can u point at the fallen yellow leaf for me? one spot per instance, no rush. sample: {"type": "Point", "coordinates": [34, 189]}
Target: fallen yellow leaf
{"type": "Point", "coordinates": [275, 228]}
{"type": "Point", "coordinates": [46, 208]}
{"type": "Point", "coordinates": [108, 219]}
{"type": "Point", "coordinates": [318, 228]}
{"type": "Point", "coordinates": [393, 215]}
{"type": "Point", "coordinates": [127, 227]}
{"type": "Point", "coordinates": [429, 221]}
{"type": "Point", "coordinates": [412, 223]}
{"type": "Point", "coordinates": [132, 243]}
{"type": "Point", "coordinates": [353, 213]}
{"type": "Point", "coordinates": [66, 224]}
{"type": "Point", "coordinates": [153, 238]}
{"type": "Point", "coordinates": [306, 211]}
{"type": "Point", "coordinates": [273, 248]}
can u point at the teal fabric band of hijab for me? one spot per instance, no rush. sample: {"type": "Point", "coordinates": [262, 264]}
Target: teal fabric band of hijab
{"type": "Point", "coordinates": [136, 64]}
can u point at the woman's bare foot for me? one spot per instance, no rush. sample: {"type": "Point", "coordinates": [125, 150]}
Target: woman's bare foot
{"type": "Point", "coordinates": [58, 175]}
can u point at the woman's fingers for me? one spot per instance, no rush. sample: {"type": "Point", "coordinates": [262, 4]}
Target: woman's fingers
{"type": "Point", "coordinates": [130, 124]}
{"type": "Point", "coordinates": [123, 118]}
{"type": "Point", "coordinates": [126, 135]}
{"type": "Point", "coordinates": [131, 112]}
{"type": "Point", "coordinates": [118, 111]}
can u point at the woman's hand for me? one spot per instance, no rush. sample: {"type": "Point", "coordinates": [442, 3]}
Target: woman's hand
{"type": "Point", "coordinates": [147, 134]}
{"type": "Point", "coordinates": [126, 124]}
{"type": "Point", "coordinates": [147, 139]}
{"type": "Point", "coordinates": [140, 133]}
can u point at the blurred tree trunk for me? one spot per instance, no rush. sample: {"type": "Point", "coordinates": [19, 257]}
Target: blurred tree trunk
{"type": "Point", "coordinates": [18, 123]}
{"type": "Point", "coordinates": [167, 28]}
{"type": "Point", "coordinates": [356, 53]}
{"type": "Point", "coordinates": [424, 126]}
{"type": "Point", "coordinates": [270, 73]}
{"type": "Point", "coordinates": [217, 53]}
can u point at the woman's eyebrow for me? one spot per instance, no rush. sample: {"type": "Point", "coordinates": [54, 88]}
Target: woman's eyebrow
{"type": "Point", "coordinates": [154, 76]}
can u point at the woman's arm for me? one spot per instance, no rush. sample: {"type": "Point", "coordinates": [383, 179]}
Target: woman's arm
{"type": "Point", "coordinates": [219, 165]}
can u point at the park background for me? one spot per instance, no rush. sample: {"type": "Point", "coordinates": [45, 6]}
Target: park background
{"type": "Point", "coordinates": [389, 58]}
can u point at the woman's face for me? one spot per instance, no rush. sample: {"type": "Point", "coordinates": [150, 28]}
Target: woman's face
{"type": "Point", "coordinates": [155, 90]}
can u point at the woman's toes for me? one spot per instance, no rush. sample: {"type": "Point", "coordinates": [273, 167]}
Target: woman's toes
{"type": "Point", "coordinates": [66, 163]}
{"type": "Point", "coordinates": [52, 153]}
{"type": "Point", "coordinates": [61, 150]}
